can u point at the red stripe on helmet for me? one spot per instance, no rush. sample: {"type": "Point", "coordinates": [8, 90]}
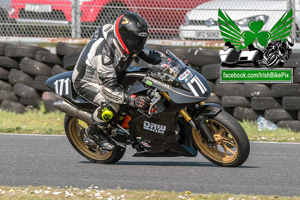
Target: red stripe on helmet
{"type": "Point", "coordinates": [118, 34]}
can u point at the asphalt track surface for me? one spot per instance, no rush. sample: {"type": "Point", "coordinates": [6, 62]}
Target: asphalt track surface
{"type": "Point", "coordinates": [271, 169]}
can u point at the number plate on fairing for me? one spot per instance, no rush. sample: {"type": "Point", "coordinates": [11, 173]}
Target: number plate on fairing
{"type": "Point", "coordinates": [62, 85]}
{"type": "Point", "coordinates": [196, 86]}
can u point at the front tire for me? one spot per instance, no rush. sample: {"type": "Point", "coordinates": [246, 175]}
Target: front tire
{"type": "Point", "coordinates": [73, 127]}
{"type": "Point", "coordinates": [232, 145]}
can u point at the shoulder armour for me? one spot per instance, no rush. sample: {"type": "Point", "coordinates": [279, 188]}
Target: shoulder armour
{"type": "Point", "coordinates": [107, 54]}
{"type": "Point", "coordinates": [107, 60]}
{"type": "Point", "coordinates": [106, 29]}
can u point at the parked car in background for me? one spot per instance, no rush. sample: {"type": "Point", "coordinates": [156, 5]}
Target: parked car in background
{"type": "Point", "coordinates": [202, 22]}
{"type": "Point", "coordinates": [163, 16]}
{"type": "Point", "coordinates": [4, 6]}
{"type": "Point", "coordinates": [6, 27]}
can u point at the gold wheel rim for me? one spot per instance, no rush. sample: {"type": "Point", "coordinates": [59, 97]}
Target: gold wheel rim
{"type": "Point", "coordinates": [75, 127]}
{"type": "Point", "coordinates": [226, 148]}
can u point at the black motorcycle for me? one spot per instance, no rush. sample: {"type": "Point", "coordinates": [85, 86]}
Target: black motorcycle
{"type": "Point", "coordinates": [177, 123]}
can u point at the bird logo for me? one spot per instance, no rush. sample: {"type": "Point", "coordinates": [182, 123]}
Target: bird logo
{"type": "Point", "coordinates": [231, 32]}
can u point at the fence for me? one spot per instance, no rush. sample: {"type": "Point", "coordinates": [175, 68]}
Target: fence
{"type": "Point", "coordinates": [176, 19]}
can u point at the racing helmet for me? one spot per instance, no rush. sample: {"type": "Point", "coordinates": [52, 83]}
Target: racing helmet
{"type": "Point", "coordinates": [131, 32]}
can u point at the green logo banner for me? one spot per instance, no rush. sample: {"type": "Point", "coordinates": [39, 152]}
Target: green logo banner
{"type": "Point", "coordinates": [232, 33]}
{"type": "Point", "coordinates": [250, 75]}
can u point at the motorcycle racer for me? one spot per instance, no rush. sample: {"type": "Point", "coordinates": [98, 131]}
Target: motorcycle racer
{"type": "Point", "coordinates": [102, 62]}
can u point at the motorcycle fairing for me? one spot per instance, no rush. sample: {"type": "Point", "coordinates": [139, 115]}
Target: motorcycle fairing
{"type": "Point", "coordinates": [132, 75]}
{"type": "Point", "coordinates": [208, 109]}
{"type": "Point", "coordinates": [194, 91]}
{"type": "Point", "coordinates": [188, 87]}
{"type": "Point", "coordinates": [159, 130]}
{"type": "Point", "coordinates": [136, 88]}
{"type": "Point", "coordinates": [62, 85]}
{"type": "Point", "coordinates": [191, 84]}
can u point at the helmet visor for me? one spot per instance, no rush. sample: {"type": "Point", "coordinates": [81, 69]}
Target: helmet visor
{"type": "Point", "coordinates": [136, 43]}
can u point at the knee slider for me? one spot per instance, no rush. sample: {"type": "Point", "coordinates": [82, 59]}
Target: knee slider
{"type": "Point", "coordinates": [103, 115]}
{"type": "Point", "coordinates": [106, 114]}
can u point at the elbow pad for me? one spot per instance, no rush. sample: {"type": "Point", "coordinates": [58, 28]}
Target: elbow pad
{"type": "Point", "coordinates": [115, 96]}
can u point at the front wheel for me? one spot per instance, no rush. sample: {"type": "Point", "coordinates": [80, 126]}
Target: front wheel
{"type": "Point", "coordinates": [232, 145]}
{"type": "Point", "coordinates": [73, 128]}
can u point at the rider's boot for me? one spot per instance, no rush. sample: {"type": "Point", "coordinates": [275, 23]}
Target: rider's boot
{"type": "Point", "coordinates": [101, 138]}
{"type": "Point", "coordinates": [98, 130]}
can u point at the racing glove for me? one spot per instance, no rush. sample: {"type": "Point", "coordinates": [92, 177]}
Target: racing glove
{"type": "Point", "coordinates": [142, 102]}
{"type": "Point", "coordinates": [151, 56]}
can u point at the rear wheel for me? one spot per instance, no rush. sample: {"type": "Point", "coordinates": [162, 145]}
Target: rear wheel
{"type": "Point", "coordinates": [93, 153]}
{"type": "Point", "coordinates": [232, 145]}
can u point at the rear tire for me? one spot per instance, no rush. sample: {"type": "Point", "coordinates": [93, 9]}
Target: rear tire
{"type": "Point", "coordinates": [73, 127]}
{"type": "Point", "coordinates": [232, 145]}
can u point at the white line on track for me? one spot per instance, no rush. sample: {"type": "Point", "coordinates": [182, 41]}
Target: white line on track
{"type": "Point", "coordinates": [275, 142]}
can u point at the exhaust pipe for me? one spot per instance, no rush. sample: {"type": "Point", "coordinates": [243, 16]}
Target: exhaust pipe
{"type": "Point", "coordinates": [73, 111]}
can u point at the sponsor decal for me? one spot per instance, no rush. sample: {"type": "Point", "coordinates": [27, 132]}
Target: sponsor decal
{"type": "Point", "coordinates": [108, 28]}
{"type": "Point", "coordinates": [184, 75]}
{"type": "Point", "coordinates": [156, 128]}
{"type": "Point", "coordinates": [145, 144]}
{"type": "Point", "coordinates": [148, 82]}
{"type": "Point", "coordinates": [110, 96]}
{"type": "Point", "coordinates": [158, 82]}
{"type": "Point", "coordinates": [135, 75]}
{"type": "Point", "coordinates": [125, 21]}
{"type": "Point", "coordinates": [143, 34]}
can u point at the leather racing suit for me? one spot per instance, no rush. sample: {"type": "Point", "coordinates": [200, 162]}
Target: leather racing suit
{"type": "Point", "coordinates": [101, 63]}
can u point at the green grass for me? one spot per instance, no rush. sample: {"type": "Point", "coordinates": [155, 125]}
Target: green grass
{"type": "Point", "coordinates": [32, 122]}
{"type": "Point", "coordinates": [33, 193]}
{"type": "Point", "coordinates": [279, 135]}
{"type": "Point", "coordinates": [39, 122]}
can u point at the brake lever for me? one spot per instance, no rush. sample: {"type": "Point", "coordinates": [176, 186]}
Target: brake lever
{"type": "Point", "coordinates": [153, 104]}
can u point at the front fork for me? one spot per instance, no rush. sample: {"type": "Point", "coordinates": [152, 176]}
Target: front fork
{"type": "Point", "coordinates": [204, 130]}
